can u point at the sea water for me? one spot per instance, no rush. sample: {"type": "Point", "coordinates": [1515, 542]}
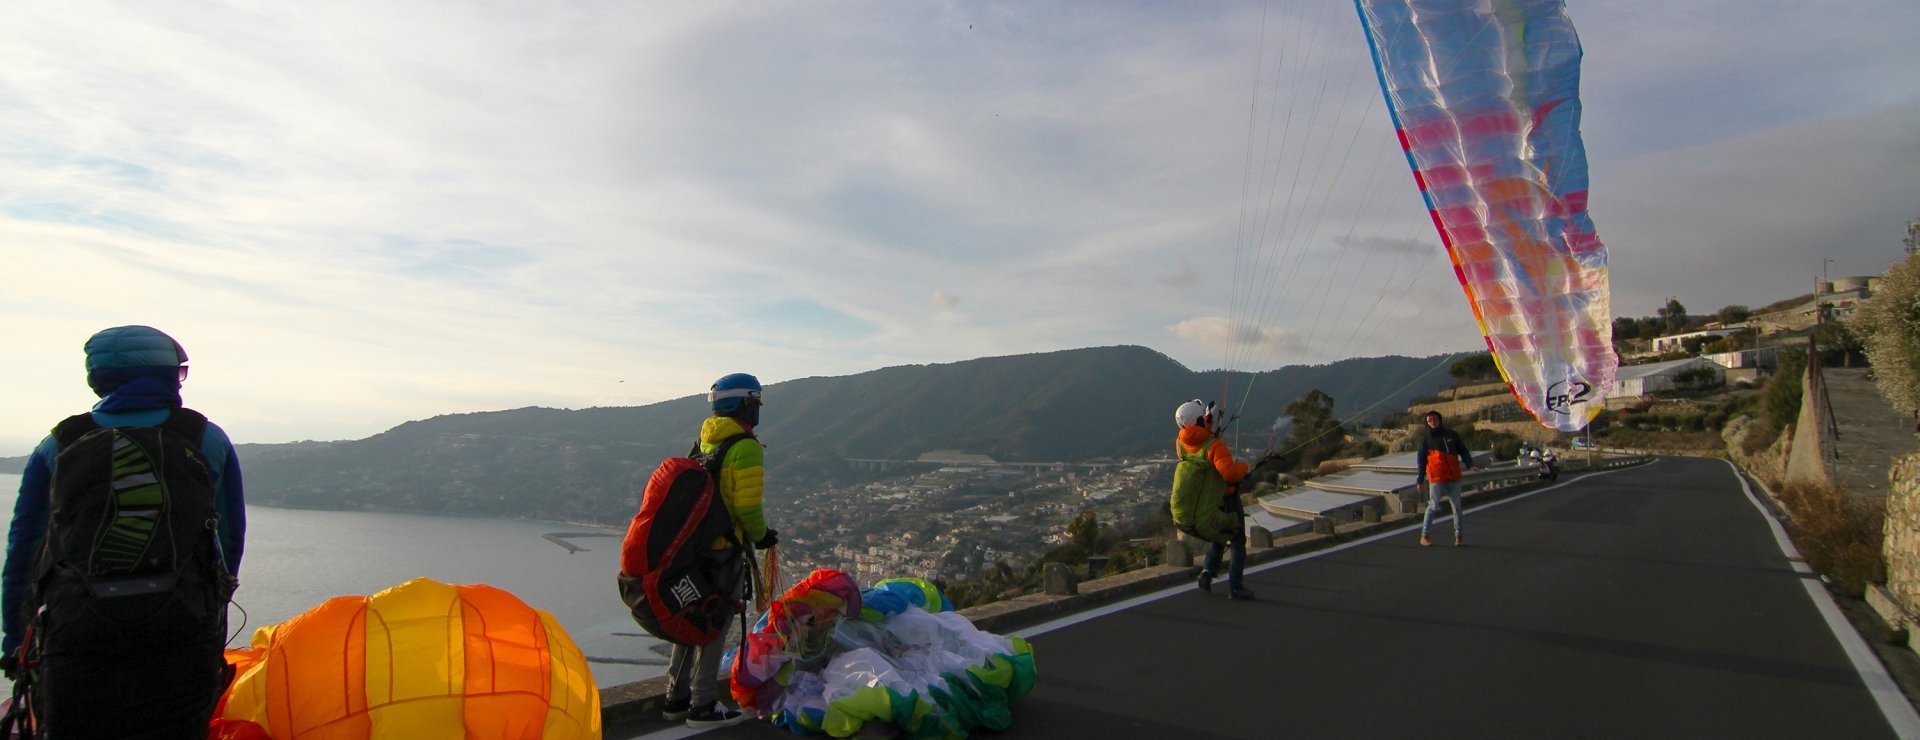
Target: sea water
{"type": "Point", "coordinates": [296, 559]}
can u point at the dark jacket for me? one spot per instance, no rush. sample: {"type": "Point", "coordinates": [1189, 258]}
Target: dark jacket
{"type": "Point", "coordinates": [31, 510]}
{"type": "Point", "coordinates": [135, 371]}
{"type": "Point", "coordinates": [1434, 460]}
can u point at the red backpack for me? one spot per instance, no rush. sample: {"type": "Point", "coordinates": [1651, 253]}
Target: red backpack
{"type": "Point", "coordinates": [679, 588]}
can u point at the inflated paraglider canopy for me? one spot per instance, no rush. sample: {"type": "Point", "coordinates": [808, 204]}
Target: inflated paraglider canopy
{"type": "Point", "coordinates": [827, 658]}
{"type": "Point", "coordinates": [1486, 98]}
{"type": "Point", "coordinates": [423, 659]}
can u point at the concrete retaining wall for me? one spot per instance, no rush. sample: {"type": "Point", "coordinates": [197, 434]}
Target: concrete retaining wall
{"type": "Point", "coordinates": [1813, 432]}
{"type": "Point", "coordinates": [1465, 409]}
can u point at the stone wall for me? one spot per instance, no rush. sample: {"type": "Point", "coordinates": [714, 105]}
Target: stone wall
{"type": "Point", "coordinates": [1770, 464]}
{"type": "Point", "coordinates": [1458, 413]}
{"type": "Point", "coordinates": [1903, 532]}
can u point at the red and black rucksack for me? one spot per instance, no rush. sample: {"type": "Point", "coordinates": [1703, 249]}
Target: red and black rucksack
{"type": "Point", "coordinates": [679, 587]}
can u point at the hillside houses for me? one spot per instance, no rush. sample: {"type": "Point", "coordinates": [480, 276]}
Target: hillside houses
{"type": "Point", "coordinates": [1678, 342]}
{"type": "Point", "coordinates": [1831, 301]}
{"type": "Point", "coordinates": [1747, 357]}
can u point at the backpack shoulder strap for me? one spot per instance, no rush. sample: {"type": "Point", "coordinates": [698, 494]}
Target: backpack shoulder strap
{"type": "Point", "coordinates": [184, 421]}
{"type": "Point", "coordinates": [72, 428]}
{"type": "Point", "coordinates": [188, 423]}
{"type": "Point", "coordinates": [719, 456]}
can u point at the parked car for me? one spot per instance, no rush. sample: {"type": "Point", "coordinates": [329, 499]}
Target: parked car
{"type": "Point", "coordinates": [1584, 443]}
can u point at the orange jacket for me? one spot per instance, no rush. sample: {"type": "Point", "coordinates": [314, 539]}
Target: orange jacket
{"type": "Point", "coordinates": [1440, 457]}
{"type": "Point", "coordinates": [1191, 438]}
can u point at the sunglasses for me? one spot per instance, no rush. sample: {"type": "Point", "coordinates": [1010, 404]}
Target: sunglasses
{"type": "Point", "coordinates": [183, 373]}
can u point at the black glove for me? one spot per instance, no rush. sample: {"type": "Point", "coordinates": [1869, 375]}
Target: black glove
{"type": "Point", "coordinates": [11, 666]}
{"type": "Point", "coordinates": [768, 541]}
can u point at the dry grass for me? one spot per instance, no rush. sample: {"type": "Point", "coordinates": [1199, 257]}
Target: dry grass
{"type": "Point", "coordinates": [1330, 467]}
{"type": "Point", "coordinates": [1761, 434]}
{"type": "Point", "coordinates": [1840, 535]}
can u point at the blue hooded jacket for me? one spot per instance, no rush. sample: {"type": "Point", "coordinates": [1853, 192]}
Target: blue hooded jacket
{"type": "Point", "coordinates": [135, 372]}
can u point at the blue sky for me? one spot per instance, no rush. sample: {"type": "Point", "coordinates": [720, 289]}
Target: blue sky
{"type": "Point", "coordinates": [355, 214]}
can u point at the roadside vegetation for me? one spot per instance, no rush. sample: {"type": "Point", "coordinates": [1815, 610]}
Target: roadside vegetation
{"type": "Point", "coordinates": [1840, 535]}
{"type": "Point", "coordinates": [1087, 538]}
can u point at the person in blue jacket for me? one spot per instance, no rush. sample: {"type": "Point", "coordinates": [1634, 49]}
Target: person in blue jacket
{"type": "Point", "coordinates": [136, 371]}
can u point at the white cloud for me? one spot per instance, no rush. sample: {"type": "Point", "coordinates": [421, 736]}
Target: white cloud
{"type": "Point", "coordinates": [360, 213]}
{"type": "Point", "coordinates": [1221, 335]}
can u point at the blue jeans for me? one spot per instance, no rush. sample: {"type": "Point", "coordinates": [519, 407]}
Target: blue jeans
{"type": "Point", "coordinates": [1451, 489]}
{"type": "Point", "coordinates": [1236, 562]}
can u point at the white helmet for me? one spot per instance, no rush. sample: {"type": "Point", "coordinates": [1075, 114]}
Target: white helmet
{"type": "Point", "coordinates": [1192, 412]}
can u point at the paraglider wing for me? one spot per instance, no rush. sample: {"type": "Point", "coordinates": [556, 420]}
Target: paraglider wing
{"type": "Point", "coordinates": [1485, 98]}
{"type": "Point", "coordinates": [830, 659]}
{"type": "Point", "coordinates": [420, 660]}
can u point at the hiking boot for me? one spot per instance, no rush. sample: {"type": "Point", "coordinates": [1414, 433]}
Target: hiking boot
{"type": "Point", "coordinates": [1459, 541]}
{"type": "Point", "coordinates": [715, 715]}
{"type": "Point", "coordinates": [1424, 542]}
{"type": "Point", "coordinates": [1205, 581]}
{"type": "Point", "coordinates": [676, 710]}
{"type": "Point", "coordinates": [1240, 593]}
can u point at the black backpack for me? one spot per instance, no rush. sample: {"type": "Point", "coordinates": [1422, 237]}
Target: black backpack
{"type": "Point", "coordinates": [678, 587]}
{"type": "Point", "coordinates": [130, 588]}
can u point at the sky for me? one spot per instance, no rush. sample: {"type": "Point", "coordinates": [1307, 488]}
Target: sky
{"type": "Point", "coordinates": [356, 214]}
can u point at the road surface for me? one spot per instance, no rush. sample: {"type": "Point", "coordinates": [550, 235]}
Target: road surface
{"type": "Point", "coordinates": [1653, 601]}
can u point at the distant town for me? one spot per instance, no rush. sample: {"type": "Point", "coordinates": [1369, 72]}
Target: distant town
{"type": "Point", "coordinates": [951, 516]}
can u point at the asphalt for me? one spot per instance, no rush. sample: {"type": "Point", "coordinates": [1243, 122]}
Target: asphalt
{"type": "Point", "coordinates": [1651, 601]}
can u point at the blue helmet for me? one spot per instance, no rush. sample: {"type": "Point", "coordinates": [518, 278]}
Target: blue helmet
{"type": "Point", "coordinates": [734, 393]}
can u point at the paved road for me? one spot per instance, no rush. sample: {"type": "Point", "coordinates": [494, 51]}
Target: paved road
{"type": "Point", "coordinates": [1647, 602]}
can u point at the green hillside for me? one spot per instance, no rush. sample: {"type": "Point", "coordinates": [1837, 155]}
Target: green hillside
{"type": "Point", "coordinates": [1067, 406]}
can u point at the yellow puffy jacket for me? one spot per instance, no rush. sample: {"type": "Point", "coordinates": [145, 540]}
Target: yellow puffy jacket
{"type": "Point", "coordinates": [742, 479]}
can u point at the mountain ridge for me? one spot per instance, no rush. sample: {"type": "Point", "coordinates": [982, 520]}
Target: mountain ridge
{"type": "Point", "coordinates": [581, 464]}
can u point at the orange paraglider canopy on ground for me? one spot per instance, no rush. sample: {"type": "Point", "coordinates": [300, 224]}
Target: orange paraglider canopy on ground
{"type": "Point", "coordinates": [423, 659]}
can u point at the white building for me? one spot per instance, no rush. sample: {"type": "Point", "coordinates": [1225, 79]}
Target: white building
{"type": "Point", "coordinates": [1677, 342]}
{"type": "Point", "coordinates": [1635, 381]}
{"type": "Point", "coordinates": [1764, 357]}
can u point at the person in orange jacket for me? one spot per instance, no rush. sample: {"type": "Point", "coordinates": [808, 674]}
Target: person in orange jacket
{"type": "Point", "coordinates": [1437, 465]}
{"type": "Point", "coordinates": [1197, 441]}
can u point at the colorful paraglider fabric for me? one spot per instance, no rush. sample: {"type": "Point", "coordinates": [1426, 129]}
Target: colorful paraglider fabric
{"type": "Point", "coordinates": [894, 595]}
{"type": "Point", "coordinates": [795, 633]}
{"type": "Point", "coordinates": [1486, 99]}
{"type": "Point", "coordinates": [420, 660]}
{"type": "Point", "coordinates": [897, 668]}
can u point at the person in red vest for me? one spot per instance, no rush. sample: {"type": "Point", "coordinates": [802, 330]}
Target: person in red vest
{"type": "Point", "coordinates": [1438, 462]}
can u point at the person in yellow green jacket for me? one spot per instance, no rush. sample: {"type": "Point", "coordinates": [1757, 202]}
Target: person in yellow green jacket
{"type": "Point", "coordinates": [693, 670]}
{"type": "Point", "coordinates": [1206, 497]}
